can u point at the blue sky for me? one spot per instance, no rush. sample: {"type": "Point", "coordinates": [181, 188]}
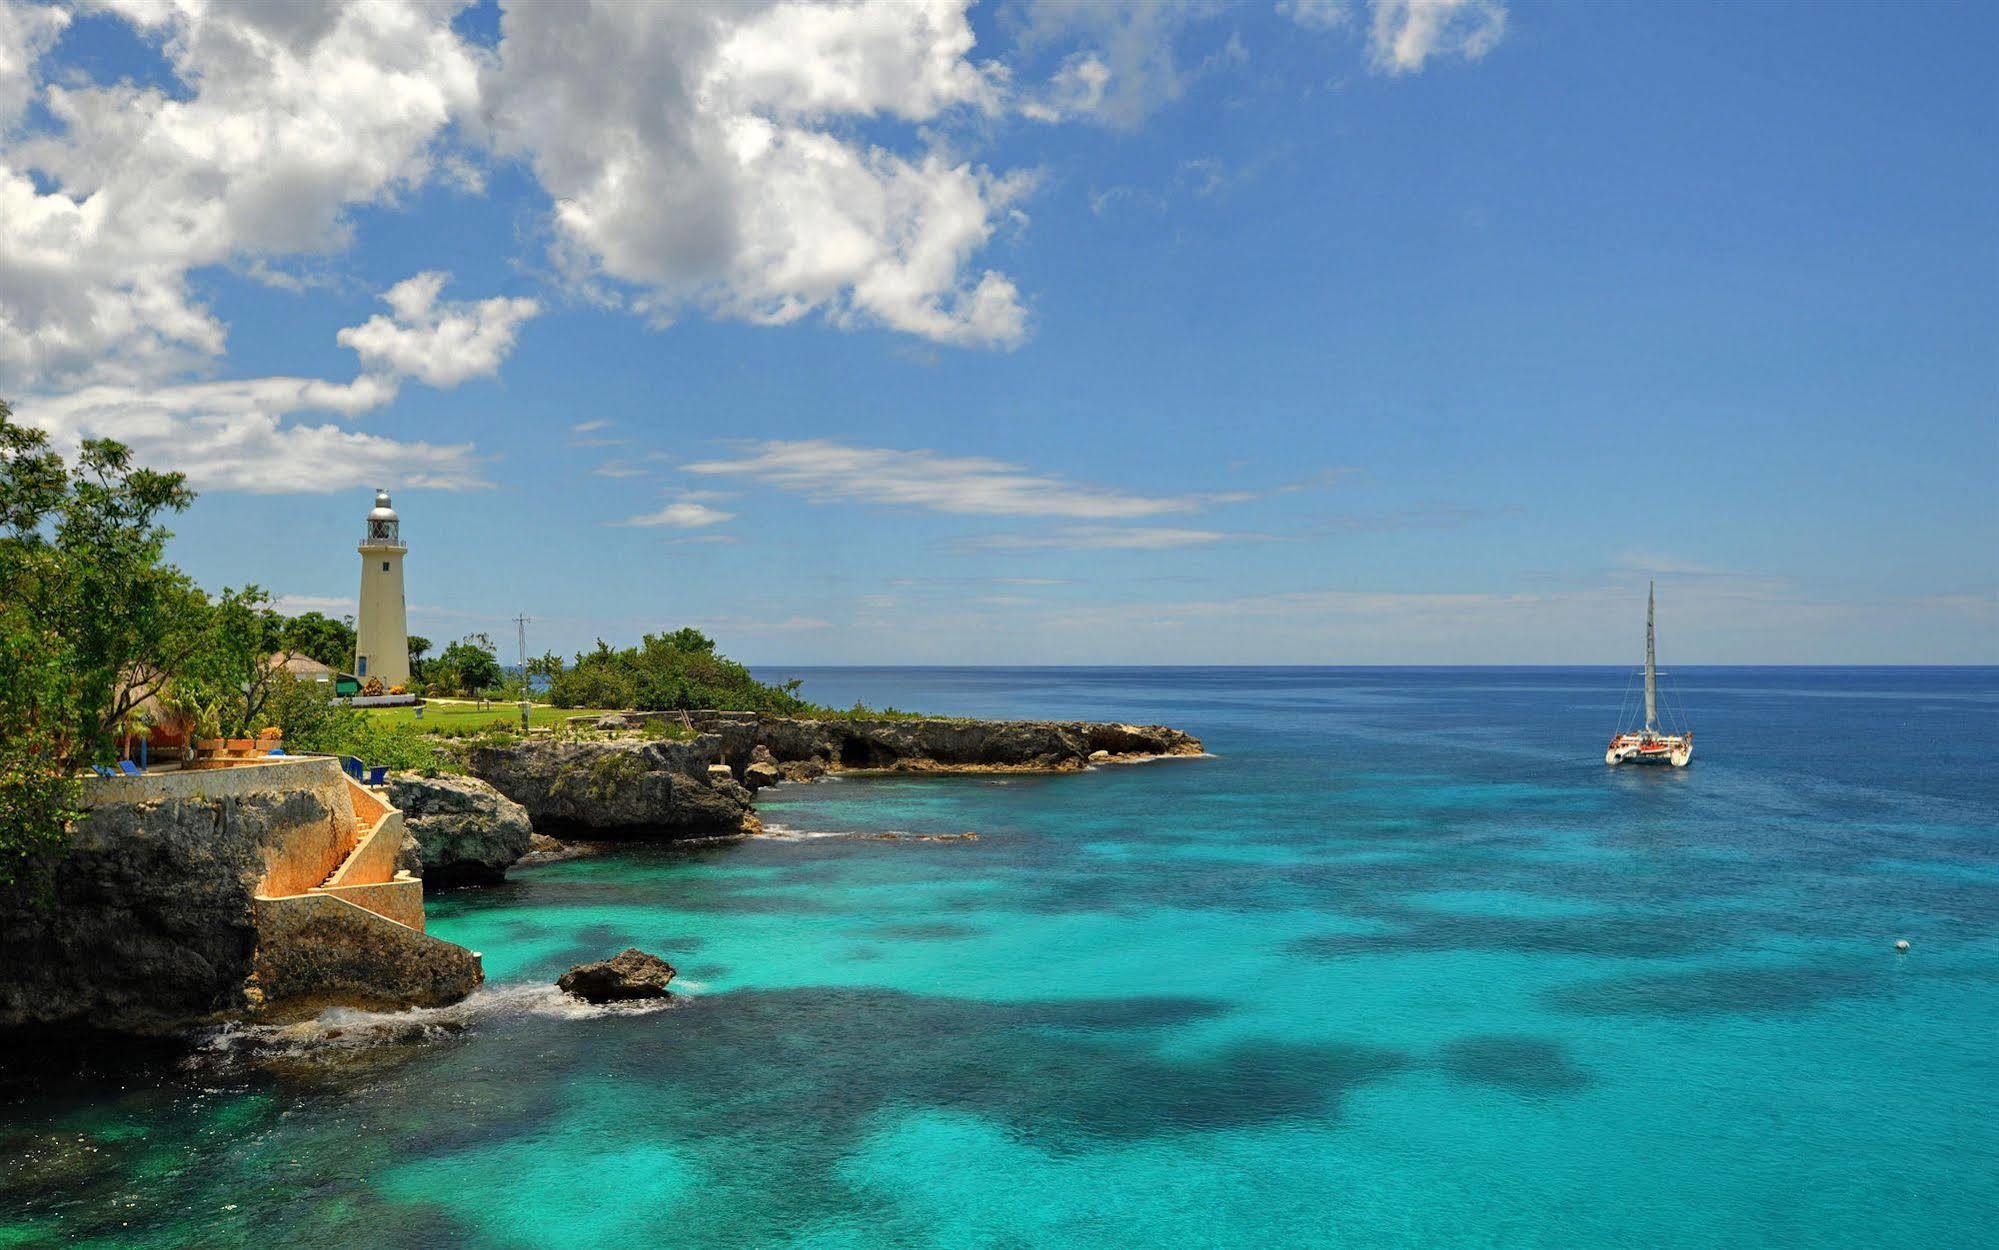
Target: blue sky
{"type": "Point", "coordinates": [1045, 333]}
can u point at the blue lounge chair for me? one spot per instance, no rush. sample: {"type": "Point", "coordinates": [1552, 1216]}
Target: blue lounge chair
{"type": "Point", "coordinates": [378, 775]}
{"type": "Point", "coordinates": [352, 765]}
{"type": "Point", "coordinates": [104, 770]}
{"type": "Point", "coordinates": [129, 768]}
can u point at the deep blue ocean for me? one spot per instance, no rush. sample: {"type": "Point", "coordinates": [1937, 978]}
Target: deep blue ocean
{"type": "Point", "coordinates": [1402, 964]}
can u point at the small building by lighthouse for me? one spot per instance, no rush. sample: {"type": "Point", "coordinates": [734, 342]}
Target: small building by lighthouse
{"type": "Point", "coordinates": [381, 636]}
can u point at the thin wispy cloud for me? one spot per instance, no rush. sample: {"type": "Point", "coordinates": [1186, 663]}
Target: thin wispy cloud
{"type": "Point", "coordinates": [758, 625]}
{"type": "Point", "coordinates": [1113, 538]}
{"type": "Point", "coordinates": [703, 540]}
{"type": "Point", "coordinates": [1405, 34]}
{"type": "Point", "coordinates": [825, 471]}
{"type": "Point", "coordinates": [930, 587]}
{"type": "Point", "coordinates": [1427, 517]}
{"type": "Point", "coordinates": [681, 514]}
{"type": "Point", "coordinates": [241, 436]}
{"type": "Point", "coordinates": [592, 433]}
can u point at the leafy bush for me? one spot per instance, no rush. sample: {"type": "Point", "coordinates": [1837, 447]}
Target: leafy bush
{"type": "Point", "coordinates": [372, 740]}
{"type": "Point", "coordinates": [861, 711]}
{"type": "Point", "coordinates": [669, 672]}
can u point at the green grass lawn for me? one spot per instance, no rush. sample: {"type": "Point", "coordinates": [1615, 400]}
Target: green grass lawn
{"type": "Point", "coordinates": [456, 717]}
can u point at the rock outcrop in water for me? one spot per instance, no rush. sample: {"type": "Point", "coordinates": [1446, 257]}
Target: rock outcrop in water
{"type": "Point", "coordinates": [612, 787]}
{"type": "Point", "coordinates": [803, 748]}
{"type": "Point", "coordinates": [466, 832]}
{"type": "Point", "coordinates": [702, 786]}
{"type": "Point", "coordinates": [627, 975]}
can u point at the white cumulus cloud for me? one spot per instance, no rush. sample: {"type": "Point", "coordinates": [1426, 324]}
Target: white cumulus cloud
{"type": "Point", "coordinates": [289, 115]}
{"type": "Point", "coordinates": [702, 154]}
{"type": "Point", "coordinates": [442, 344]}
{"type": "Point", "coordinates": [234, 435]}
{"type": "Point", "coordinates": [26, 32]}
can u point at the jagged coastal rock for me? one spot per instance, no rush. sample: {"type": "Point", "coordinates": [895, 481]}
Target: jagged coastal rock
{"type": "Point", "coordinates": [465, 831]}
{"type": "Point", "coordinates": [702, 786]}
{"type": "Point", "coordinates": [803, 748]}
{"type": "Point", "coordinates": [627, 975]}
{"type": "Point", "coordinates": [652, 787]}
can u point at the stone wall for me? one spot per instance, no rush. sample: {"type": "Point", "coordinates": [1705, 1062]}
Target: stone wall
{"type": "Point", "coordinates": [400, 900]}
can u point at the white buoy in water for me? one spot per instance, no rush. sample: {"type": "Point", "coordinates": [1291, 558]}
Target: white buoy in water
{"type": "Point", "coordinates": [1902, 944]}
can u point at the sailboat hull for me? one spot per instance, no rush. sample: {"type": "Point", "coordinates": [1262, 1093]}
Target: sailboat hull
{"type": "Point", "coordinates": [1672, 750]}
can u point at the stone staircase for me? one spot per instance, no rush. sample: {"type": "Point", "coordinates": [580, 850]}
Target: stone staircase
{"type": "Point", "coordinates": [367, 874]}
{"type": "Point", "coordinates": [358, 837]}
{"type": "Point", "coordinates": [357, 936]}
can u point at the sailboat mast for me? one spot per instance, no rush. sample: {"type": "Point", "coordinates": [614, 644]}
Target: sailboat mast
{"type": "Point", "coordinates": [1651, 669]}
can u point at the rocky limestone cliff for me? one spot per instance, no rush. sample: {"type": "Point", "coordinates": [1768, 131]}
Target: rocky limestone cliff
{"type": "Point", "coordinates": [702, 786]}
{"type": "Point", "coordinates": [185, 897]}
{"type": "Point", "coordinates": [801, 747]}
{"type": "Point", "coordinates": [464, 831]}
{"type": "Point", "coordinates": [146, 922]}
{"type": "Point", "coordinates": [613, 787]}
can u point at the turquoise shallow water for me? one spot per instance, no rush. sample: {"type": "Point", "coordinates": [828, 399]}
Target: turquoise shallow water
{"type": "Point", "coordinates": [1363, 979]}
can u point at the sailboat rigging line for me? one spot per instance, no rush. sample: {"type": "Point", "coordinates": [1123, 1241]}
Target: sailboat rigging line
{"type": "Point", "coordinates": [1624, 705]}
{"type": "Point", "coordinates": [1678, 712]}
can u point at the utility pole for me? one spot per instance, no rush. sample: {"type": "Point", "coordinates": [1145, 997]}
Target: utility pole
{"type": "Point", "coordinates": [521, 625]}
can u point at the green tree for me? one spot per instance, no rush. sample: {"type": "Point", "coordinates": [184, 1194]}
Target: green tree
{"type": "Point", "coordinates": [419, 647]}
{"type": "Point", "coordinates": [472, 663]}
{"type": "Point", "coordinates": [318, 637]}
{"type": "Point", "coordinates": [91, 621]}
{"type": "Point", "coordinates": [232, 673]}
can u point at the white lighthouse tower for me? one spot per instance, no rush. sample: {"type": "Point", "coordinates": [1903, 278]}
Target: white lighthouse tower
{"type": "Point", "coordinates": [381, 640]}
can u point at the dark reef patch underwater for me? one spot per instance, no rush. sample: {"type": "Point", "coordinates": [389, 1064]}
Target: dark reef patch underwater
{"type": "Point", "coordinates": [1359, 980]}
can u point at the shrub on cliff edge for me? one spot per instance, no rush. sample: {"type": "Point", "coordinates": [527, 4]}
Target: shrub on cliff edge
{"type": "Point", "coordinates": [680, 671]}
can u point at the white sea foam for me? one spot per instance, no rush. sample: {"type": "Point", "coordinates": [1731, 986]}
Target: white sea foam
{"type": "Point", "coordinates": [1154, 759]}
{"type": "Point", "coordinates": [342, 1031]}
{"type": "Point", "coordinates": [785, 833]}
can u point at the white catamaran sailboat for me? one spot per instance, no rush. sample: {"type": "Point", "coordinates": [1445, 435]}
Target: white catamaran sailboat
{"type": "Point", "coordinates": [1649, 745]}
